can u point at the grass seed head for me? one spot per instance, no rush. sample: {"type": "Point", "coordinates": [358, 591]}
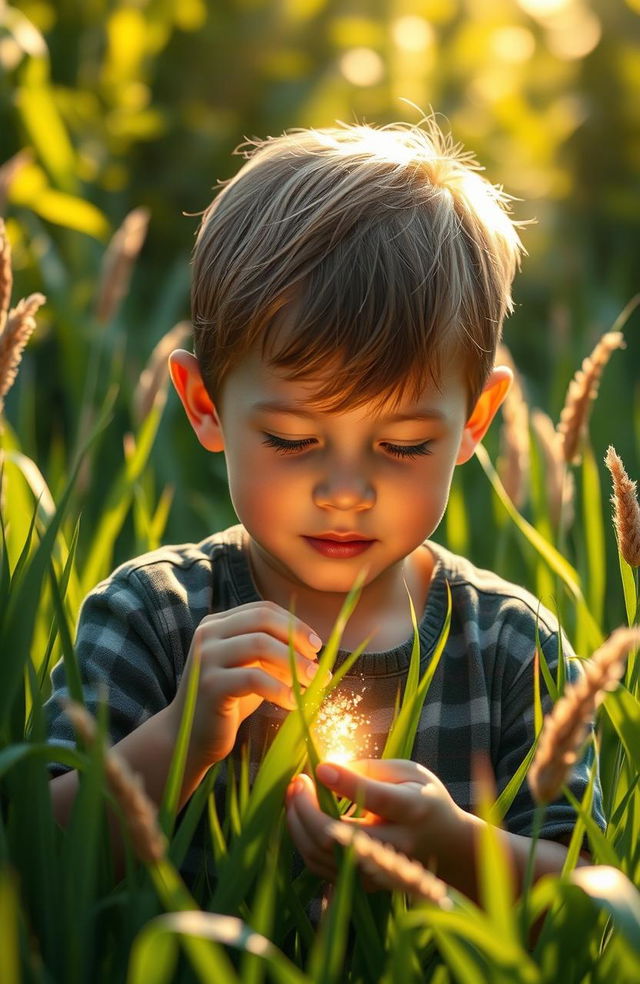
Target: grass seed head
{"type": "Point", "coordinates": [626, 509]}
{"type": "Point", "coordinates": [513, 463]}
{"type": "Point", "coordinates": [565, 727]}
{"type": "Point", "coordinates": [155, 374]}
{"type": "Point", "coordinates": [582, 391]}
{"type": "Point", "coordinates": [560, 483]}
{"type": "Point", "coordinates": [6, 276]}
{"type": "Point", "coordinates": [119, 259]}
{"type": "Point", "coordinates": [140, 814]}
{"type": "Point", "coordinates": [390, 867]}
{"type": "Point", "coordinates": [17, 331]}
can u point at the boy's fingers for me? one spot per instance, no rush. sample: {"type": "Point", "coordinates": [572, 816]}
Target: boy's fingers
{"type": "Point", "coordinates": [264, 616]}
{"type": "Point", "coordinates": [391, 770]}
{"type": "Point", "coordinates": [247, 680]}
{"type": "Point", "coordinates": [322, 865]}
{"type": "Point", "coordinates": [309, 827]}
{"type": "Point", "coordinates": [391, 800]}
{"type": "Point", "coordinates": [259, 648]}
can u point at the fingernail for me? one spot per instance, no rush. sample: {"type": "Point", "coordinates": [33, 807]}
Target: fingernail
{"type": "Point", "coordinates": [328, 774]}
{"type": "Point", "coordinates": [311, 670]}
{"type": "Point", "coordinates": [315, 640]}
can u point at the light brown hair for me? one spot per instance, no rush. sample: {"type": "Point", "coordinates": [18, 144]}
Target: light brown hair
{"type": "Point", "coordinates": [365, 255]}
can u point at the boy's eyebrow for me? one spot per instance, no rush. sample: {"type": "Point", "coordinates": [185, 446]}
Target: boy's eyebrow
{"type": "Point", "coordinates": [298, 410]}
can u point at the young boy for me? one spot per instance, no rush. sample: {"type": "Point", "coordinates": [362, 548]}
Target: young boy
{"type": "Point", "coordinates": [349, 289]}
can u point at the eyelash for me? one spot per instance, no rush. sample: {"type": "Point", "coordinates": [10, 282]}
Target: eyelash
{"type": "Point", "coordinates": [283, 446]}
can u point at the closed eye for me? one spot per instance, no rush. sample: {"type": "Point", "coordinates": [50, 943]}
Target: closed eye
{"type": "Point", "coordinates": [408, 450]}
{"type": "Point", "coordinates": [283, 446]}
{"type": "Point", "coordinates": [286, 447]}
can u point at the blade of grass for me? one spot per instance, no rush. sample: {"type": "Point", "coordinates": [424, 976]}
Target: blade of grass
{"type": "Point", "coordinates": [72, 670]}
{"type": "Point", "coordinates": [601, 847]}
{"type": "Point", "coordinates": [475, 929]}
{"type": "Point", "coordinates": [20, 613]}
{"type": "Point", "coordinates": [612, 891]}
{"type": "Point", "coordinates": [593, 534]}
{"type": "Point", "coordinates": [193, 812]}
{"type": "Point", "coordinates": [558, 564]}
{"type": "Point", "coordinates": [118, 501]}
{"type": "Point", "coordinates": [401, 737]}
{"type": "Point", "coordinates": [171, 796]}
{"type": "Point", "coordinates": [326, 798]}
{"type": "Point", "coordinates": [623, 710]}
{"type": "Point", "coordinates": [495, 879]}
{"type": "Point", "coordinates": [198, 930]}
{"type": "Point", "coordinates": [45, 509]}
{"type": "Point", "coordinates": [629, 589]}
{"type": "Point", "coordinates": [44, 667]}
{"type": "Point", "coordinates": [84, 845]}
{"type": "Point", "coordinates": [9, 932]}
{"type": "Point", "coordinates": [263, 911]}
{"type": "Point", "coordinates": [508, 794]}
{"type": "Point", "coordinates": [328, 951]}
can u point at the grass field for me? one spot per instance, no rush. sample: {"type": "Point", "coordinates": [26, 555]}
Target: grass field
{"type": "Point", "coordinates": [62, 917]}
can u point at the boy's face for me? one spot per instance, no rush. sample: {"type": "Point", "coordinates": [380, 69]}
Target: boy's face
{"type": "Point", "coordinates": [296, 474]}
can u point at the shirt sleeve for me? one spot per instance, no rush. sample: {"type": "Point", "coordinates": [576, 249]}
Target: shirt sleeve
{"type": "Point", "coordinates": [517, 737]}
{"type": "Point", "coordinates": [121, 658]}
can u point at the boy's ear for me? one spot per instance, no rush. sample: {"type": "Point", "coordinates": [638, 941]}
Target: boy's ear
{"type": "Point", "coordinates": [184, 370]}
{"type": "Point", "coordinates": [493, 394]}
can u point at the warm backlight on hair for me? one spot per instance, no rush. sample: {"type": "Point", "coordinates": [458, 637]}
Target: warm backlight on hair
{"type": "Point", "coordinates": [341, 731]}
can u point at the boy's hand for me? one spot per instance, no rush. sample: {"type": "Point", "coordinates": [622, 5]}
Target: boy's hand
{"type": "Point", "coordinates": [244, 656]}
{"type": "Point", "coordinates": [406, 806]}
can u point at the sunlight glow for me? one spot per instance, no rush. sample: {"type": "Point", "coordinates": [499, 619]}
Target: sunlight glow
{"type": "Point", "coordinates": [412, 33]}
{"type": "Point", "coordinates": [513, 44]}
{"type": "Point", "coordinates": [362, 66]}
{"type": "Point", "coordinates": [340, 730]}
{"type": "Point", "coordinates": [544, 8]}
{"type": "Point", "coordinates": [574, 36]}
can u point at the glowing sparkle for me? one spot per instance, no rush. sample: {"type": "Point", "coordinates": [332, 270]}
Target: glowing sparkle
{"type": "Point", "coordinates": [340, 730]}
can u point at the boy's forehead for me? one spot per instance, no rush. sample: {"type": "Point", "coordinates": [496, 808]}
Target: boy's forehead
{"type": "Point", "coordinates": [257, 385]}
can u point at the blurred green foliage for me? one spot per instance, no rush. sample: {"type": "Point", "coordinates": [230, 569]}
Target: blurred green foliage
{"type": "Point", "coordinates": [126, 103]}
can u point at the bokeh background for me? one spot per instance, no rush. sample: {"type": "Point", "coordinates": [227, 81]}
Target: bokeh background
{"type": "Point", "coordinates": [110, 106]}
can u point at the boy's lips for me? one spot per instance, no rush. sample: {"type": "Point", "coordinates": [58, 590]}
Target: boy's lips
{"type": "Point", "coordinates": [339, 546]}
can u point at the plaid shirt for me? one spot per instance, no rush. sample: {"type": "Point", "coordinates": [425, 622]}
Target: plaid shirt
{"type": "Point", "coordinates": [135, 630]}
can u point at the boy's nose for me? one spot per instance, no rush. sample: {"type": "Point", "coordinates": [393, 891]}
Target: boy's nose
{"type": "Point", "coordinates": [344, 493]}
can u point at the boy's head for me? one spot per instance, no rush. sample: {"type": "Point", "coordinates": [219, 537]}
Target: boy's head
{"type": "Point", "coordinates": [348, 294]}
{"type": "Point", "coordinates": [380, 253]}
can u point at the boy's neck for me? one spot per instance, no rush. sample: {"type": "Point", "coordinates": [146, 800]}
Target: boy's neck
{"type": "Point", "coordinates": [382, 611]}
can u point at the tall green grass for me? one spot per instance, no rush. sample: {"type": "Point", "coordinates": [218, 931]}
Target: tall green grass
{"type": "Point", "coordinates": [63, 916]}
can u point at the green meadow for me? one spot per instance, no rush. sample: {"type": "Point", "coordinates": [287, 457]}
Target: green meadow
{"type": "Point", "coordinates": [117, 120]}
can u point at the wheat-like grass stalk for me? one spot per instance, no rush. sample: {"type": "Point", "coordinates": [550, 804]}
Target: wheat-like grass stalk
{"type": "Point", "coordinates": [559, 480]}
{"type": "Point", "coordinates": [390, 867]}
{"type": "Point", "coordinates": [16, 325]}
{"type": "Point", "coordinates": [581, 393]}
{"type": "Point", "coordinates": [626, 509]}
{"type": "Point", "coordinates": [6, 276]}
{"type": "Point", "coordinates": [513, 462]}
{"type": "Point", "coordinates": [118, 262]}
{"type": "Point", "coordinates": [140, 813]}
{"type": "Point", "coordinates": [155, 373]}
{"type": "Point", "coordinates": [565, 727]}
{"type": "Point", "coordinates": [17, 332]}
